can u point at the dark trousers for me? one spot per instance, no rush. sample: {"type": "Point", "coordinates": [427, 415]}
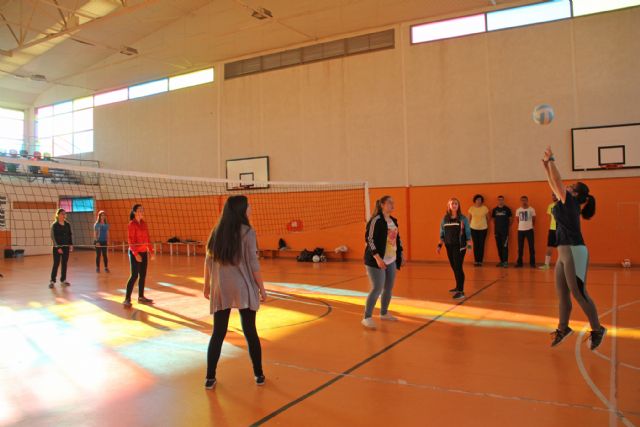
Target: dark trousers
{"type": "Point", "coordinates": [456, 260]}
{"type": "Point", "coordinates": [502, 244]}
{"type": "Point", "coordinates": [478, 237]}
{"type": "Point", "coordinates": [57, 259]}
{"type": "Point", "coordinates": [101, 250]}
{"type": "Point", "coordinates": [138, 271]}
{"type": "Point", "coordinates": [220, 325]}
{"type": "Point", "coordinates": [527, 234]}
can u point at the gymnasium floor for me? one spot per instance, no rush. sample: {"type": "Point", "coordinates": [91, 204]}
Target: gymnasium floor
{"type": "Point", "coordinates": [75, 357]}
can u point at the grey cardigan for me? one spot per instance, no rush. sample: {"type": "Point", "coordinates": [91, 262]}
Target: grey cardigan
{"type": "Point", "coordinates": [233, 286]}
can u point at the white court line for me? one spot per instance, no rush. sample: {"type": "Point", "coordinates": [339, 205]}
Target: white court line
{"type": "Point", "coordinates": [585, 374]}
{"type": "Point", "coordinates": [613, 376]}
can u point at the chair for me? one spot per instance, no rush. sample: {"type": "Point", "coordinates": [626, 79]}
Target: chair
{"type": "Point", "coordinates": [12, 167]}
{"type": "Point", "coordinates": [24, 154]}
{"type": "Point", "coordinates": [3, 167]}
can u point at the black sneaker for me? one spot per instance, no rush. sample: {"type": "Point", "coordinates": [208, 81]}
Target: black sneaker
{"type": "Point", "coordinates": [596, 337]}
{"type": "Point", "coordinates": [477, 264]}
{"type": "Point", "coordinates": [106, 270]}
{"type": "Point", "coordinates": [97, 270]}
{"type": "Point", "coordinates": [505, 265]}
{"type": "Point", "coordinates": [52, 284]}
{"type": "Point", "coordinates": [210, 384]}
{"type": "Point", "coordinates": [459, 295]}
{"type": "Point", "coordinates": [558, 336]}
{"type": "Point", "coordinates": [260, 380]}
{"type": "Point", "coordinates": [453, 290]}
{"type": "Point", "coordinates": [518, 265]}
{"type": "Point", "coordinates": [145, 300]}
{"type": "Point", "coordinates": [126, 303]}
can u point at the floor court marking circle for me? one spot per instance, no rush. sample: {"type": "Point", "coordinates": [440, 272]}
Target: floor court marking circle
{"type": "Point", "coordinates": [611, 407]}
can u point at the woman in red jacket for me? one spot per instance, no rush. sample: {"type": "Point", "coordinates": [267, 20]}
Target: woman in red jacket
{"type": "Point", "coordinates": [139, 249]}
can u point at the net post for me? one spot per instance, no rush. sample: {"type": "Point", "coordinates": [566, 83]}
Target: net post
{"type": "Point", "coordinates": [367, 201]}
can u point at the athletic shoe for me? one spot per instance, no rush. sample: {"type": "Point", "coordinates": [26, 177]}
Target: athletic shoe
{"type": "Point", "coordinates": [518, 265]}
{"type": "Point", "coordinates": [544, 267]}
{"type": "Point", "coordinates": [532, 265]}
{"type": "Point", "coordinates": [145, 300]}
{"type": "Point", "coordinates": [500, 264]}
{"type": "Point", "coordinates": [260, 380]}
{"type": "Point", "coordinates": [453, 290]}
{"type": "Point", "coordinates": [459, 295]}
{"type": "Point", "coordinates": [97, 270]}
{"type": "Point", "coordinates": [126, 303]}
{"type": "Point", "coordinates": [368, 323]}
{"type": "Point", "coordinates": [106, 270]}
{"type": "Point", "coordinates": [477, 264]}
{"type": "Point", "coordinates": [52, 284]}
{"type": "Point", "coordinates": [505, 265]}
{"type": "Point", "coordinates": [65, 283]}
{"type": "Point", "coordinates": [596, 337]}
{"type": "Point", "coordinates": [558, 336]}
{"type": "Point", "coordinates": [210, 384]}
{"type": "Point", "coordinates": [389, 317]}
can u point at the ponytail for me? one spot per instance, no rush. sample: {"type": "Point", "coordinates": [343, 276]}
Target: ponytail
{"type": "Point", "coordinates": [589, 209]}
{"type": "Point", "coordinates": [583, 197]}
{"type": "Point", "coordinates": [377, 210]}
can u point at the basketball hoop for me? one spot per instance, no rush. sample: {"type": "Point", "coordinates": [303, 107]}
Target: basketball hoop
{"type": "Point", "coordinates": [609, 166]}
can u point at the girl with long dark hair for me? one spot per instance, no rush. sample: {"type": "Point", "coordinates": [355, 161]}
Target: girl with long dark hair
{"type": "Point", "coordinates": [140, 248]}
{"type": "Point", "coordinates": [455, 235]}
{"type": "Point", "coordinates": [573, 202]}
{"type": "Point", "coordinates": [232, 279]}
{"type": "Point", "coordinates": [62, 245]}
{"type": "Point", "coordinates": [382, 258]}
{"type": "Point", "coordinates": [101, 239]}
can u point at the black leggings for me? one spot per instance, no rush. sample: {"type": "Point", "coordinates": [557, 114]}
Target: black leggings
{"type": "Point", "coordinates": [479, 237]}
{"type": "Point", "coordinates": [64, 257]}
{"type": "Point", "coordinates": [101, 249]}
{"type": "Point", "coordinates": [138, 270]}
{"type": "Point", "coordinates": [220, 325]}
{"type": "Point", "coordinates": [456, 260]}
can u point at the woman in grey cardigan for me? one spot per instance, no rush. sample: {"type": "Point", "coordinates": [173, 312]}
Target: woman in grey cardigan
{"type": "Point", "coordinates": [232, 279]}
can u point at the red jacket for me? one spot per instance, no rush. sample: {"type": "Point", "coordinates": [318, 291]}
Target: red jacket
{"type": "Point", "coordinates": [138, 236]}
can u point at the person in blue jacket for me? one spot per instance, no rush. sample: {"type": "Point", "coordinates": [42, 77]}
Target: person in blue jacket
{"type": "Point", "coordinates": [455, 236]}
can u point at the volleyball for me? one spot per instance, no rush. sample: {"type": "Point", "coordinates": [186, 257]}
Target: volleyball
{"type": "Point", "coordinates": [316, 258]}
{"type": "Point", "coordinates": [543, 114]}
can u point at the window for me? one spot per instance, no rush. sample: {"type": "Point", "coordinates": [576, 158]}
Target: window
{"type": "Point", "coordinates": [150, 88]}
{"type": "Point", "coordinates": [65, 128]}
{"type": "Point", "coordinates": [587, 7]}
{"type": "Point", "coordinates": [191, 79]}
{"type": "Point", "coordinates": [111, 97]}
{"type": "Point", "coordinates": [11, 130]}
{"type": "Point", "coordinates": [457, 27]}
{"type": "Point", "coordinates": [526, 15]}
{"type": "Point", "coordinates": [77, 204]}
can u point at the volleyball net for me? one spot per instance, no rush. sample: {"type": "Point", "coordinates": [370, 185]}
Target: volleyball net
{"type": "Point", "coordinates": [177, 209]}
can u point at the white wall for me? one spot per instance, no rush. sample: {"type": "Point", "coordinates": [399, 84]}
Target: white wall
{"type": "Point", "coordinates": [455, 111]}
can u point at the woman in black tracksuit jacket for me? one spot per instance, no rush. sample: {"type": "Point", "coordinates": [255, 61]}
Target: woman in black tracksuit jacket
{"type": "Point", "coordinates": [455, 236]}
{"type": "Point", "coordinates": [382, 258]}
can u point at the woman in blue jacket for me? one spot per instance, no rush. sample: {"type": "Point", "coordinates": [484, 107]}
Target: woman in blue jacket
{"type": "Point", "coordinates": [382, 258]}
{"type": "Point", "coordinates": [454, 236]}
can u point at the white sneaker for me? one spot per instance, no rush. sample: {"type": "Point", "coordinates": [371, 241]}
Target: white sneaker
{"type": "Point", "coordinates": [369, 323]}
{"type": "Point", "coordinates": [389, 317]}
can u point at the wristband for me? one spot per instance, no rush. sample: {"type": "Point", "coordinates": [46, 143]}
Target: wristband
{"type": "Point", "coordinates": [552, 159]}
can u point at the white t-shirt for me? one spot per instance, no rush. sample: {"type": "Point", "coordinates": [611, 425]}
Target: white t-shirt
{"type": "Point", "coordinates": [525, 218]}
{"type": "Point", "coordinates": [392, 246]}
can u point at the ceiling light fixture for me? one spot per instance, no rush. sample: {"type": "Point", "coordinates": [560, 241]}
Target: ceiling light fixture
{"type": "Point", "coordinates": [129, 51]}
{"type": "Point", "coordinates": [261, 13]}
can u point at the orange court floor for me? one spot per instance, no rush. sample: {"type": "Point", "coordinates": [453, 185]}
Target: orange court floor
{"type": "Point", "coordinates": [76, 357]}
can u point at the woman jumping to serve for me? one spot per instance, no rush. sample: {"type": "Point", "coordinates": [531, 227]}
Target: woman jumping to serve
{"type": "Point", "coordinates": [573, 257]}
